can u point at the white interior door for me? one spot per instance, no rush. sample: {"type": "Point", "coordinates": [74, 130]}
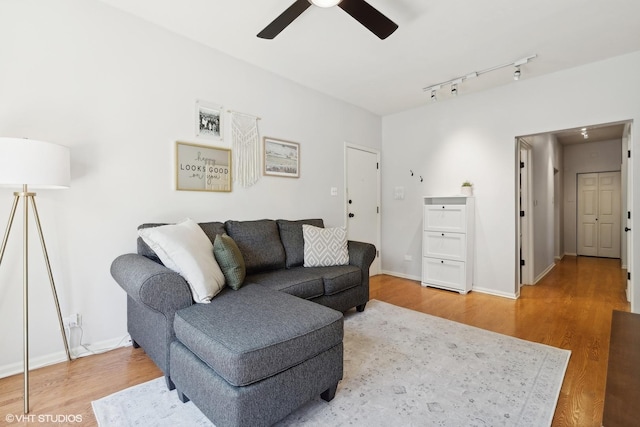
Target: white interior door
{"type": "Point", "coordinates": [609, 215]}
{"type": "Point", "coordinates": [627, 215]}
{"type": "Point", "coordinates": [525, 223]}
{"type": "Point", "coordinates": [599, 214]}
{"type": "Point", "coordinates": [587, 214]}
{"type": "Point", "coordinates": [363, 195]}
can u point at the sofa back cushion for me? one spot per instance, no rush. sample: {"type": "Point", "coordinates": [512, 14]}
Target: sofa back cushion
{"type": "Point", "coordinates": [293, 240]}
{"type": "Point", "coordinates": [259, 242]}
{"type": "Point", "coordinates": [209, 228]}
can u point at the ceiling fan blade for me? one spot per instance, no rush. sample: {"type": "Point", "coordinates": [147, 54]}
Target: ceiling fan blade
{"type": "Point", "coordinates": [370, 17]}
{"type": "Point", "coordinates": [285, 18]}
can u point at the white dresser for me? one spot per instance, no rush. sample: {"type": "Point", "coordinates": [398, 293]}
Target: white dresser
{"type": "Point", "coordinates": [447, 242]}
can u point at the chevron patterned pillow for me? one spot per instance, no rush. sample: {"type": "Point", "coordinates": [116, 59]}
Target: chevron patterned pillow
{"type": "Point", "coordinates": [324, 247]}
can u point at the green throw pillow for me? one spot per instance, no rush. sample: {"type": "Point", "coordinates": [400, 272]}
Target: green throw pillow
{"type": "Point", "coordinates": [230, 260]}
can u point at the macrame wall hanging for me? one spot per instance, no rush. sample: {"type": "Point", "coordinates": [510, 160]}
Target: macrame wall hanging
{"type": "Point", "coordinates": [245, 140]}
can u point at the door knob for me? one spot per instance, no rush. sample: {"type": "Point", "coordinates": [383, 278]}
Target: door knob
{"type": "Point", "coordinates": [627, 229]}
{"type": "Point", "coordinates": [350, 201]}
{"type": "Point", "coordinates": [351, 215]}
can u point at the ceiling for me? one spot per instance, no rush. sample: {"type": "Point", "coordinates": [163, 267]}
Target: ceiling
{"type": "Point", "coordinates": [609, 132]}
{"type": "Point", "coordinates": [437, 40]}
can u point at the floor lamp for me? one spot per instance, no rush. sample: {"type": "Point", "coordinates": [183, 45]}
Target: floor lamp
{"type": "Point", "coordinates": [25, 164]}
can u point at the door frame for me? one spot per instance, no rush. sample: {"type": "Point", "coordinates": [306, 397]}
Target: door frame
{"type": "Point", "coordinates": [524, 246]}
{"type": "Point", "coordinates": [376, 266]}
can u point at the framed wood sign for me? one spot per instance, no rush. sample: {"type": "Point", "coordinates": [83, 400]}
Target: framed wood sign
{"type": "Point", "coordinates": [202, 167]}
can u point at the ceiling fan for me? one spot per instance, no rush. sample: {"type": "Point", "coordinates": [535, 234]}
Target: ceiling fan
{"type": "Point", "coordinates": [360, 10]}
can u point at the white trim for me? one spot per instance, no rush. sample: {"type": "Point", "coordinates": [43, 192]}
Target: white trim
{"type": "Point", "coordinates": [495, 293]}
{"type": "Point", "coordinates": [401, 275]}
{"type": "Point", "coordinates": [544, 273]}
{"type": "Point", "coordinates": [61, 356]}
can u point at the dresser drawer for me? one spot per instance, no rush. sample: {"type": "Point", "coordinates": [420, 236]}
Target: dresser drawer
{"type": "Point", "coordinates": [444, 274]}
{"type": "Point", "coordinates": [438, 244]}
{"type": "Point", "coordinates": [445, 218]}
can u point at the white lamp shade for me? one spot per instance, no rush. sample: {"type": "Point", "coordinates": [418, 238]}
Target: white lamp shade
{"type": "Point", "coordinates": [37, 164]}
{"type": "Point", "coordinates": [325, 3]}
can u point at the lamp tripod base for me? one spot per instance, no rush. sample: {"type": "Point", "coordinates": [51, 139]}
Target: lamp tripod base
{"type": "Point", "coordinates": [30, 197]}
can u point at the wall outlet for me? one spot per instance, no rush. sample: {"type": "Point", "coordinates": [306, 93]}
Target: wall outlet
{"type": "Point", "coordinates": [408, 258]}
{"type": "Point", "coordinates": [72, 320]}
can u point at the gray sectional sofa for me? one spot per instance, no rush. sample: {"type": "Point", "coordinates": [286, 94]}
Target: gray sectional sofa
{"type": "Point", "coordinates": [253, 355]}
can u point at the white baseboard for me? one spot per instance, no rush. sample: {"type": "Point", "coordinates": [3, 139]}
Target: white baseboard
{"type": "Point", "coordinates": [494, 292]}
{"type": "Point", "coordinates": [401, 275]}
{"type": "Point", "coordinates": [544, 273]}
{"type": "Point", "coordinates": [570, 254]}
{"type": "Point", "coordinates": [61, 356]}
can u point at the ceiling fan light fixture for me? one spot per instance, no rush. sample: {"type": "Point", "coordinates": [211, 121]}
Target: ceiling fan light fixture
{"type": "Point", "coordinates": [324, 3]}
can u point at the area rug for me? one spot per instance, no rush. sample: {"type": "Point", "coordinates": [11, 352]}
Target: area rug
{"type": "Point", "coordinates": [401, 368]}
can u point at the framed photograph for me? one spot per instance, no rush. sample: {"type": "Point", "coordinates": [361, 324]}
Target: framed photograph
{"type": "Point", "coordinates": [202, 168]}
{"type": "Point", "coordinates": [209, 118]}
{"type": "Point", "coordinates": [281, 158]}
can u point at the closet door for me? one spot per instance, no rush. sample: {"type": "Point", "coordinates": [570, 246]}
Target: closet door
{"type": "Point", "coordinates": [609, 215]}
{"type": "Point", "coordinates": [599, 214]}
{"type": "Point", "coordinates": [588, 214]}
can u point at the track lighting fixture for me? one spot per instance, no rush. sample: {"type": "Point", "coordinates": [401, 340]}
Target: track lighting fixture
{"type": "Point", "coordinates": [585, 135]}
{"type": "Point", "coordinates": [453, 83]}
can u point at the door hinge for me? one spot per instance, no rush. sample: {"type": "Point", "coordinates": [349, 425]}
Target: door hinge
{"type": "Point", "coordinates": [521, 165]}
{"type": "Point", "coordinates": [628, 214]}
{"type": "Point", "coordinates": [628, 276]}
{"type": "Point", "coordinates": [522, 263]}
{"type": "Point", "coordinates": [377, 165]}
{"type": "Point", "coordinates": [521, 213]}
{"type": "Point", "coordinates": [629, 154]}
{"type": "Point", "coordinates": [377, 254]}
{"type": "Point", "coordinates": [377, 209]}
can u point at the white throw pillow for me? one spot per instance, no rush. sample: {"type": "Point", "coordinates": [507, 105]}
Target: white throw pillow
{"type": "Point", "coordinates": [186, 249]}
{"type": "Point", "coordinates": [324, 247]}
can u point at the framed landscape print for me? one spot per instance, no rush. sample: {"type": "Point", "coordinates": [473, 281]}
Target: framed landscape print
{"type": "Point", "coordinates": [202, 167]}
{"type": "Point", "coordinates": [209, 119]}
{"type": "Point", "coordinates": [281, 158]}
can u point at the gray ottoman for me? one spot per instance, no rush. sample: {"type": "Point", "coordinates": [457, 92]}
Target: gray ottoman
{"type": "Point", "coordinates": [252, 356]}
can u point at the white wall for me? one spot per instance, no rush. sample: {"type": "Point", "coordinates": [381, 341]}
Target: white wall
{"type": "Point", "coordinates": [545, 154]}
{"type": "Point", "coordinates": [473, 137]}
{"type": "Point", "coordinates": [119, 92]}
{"type": "Point", "coordinates": [604, 156]}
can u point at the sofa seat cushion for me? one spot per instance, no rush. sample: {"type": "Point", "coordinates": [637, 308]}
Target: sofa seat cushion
{"type": "Point", "coordinates": [338, 278]}
{"type": "Point", "coordinates": [254, 333]}
{"type": "Point", "coordinates": [302, 282]}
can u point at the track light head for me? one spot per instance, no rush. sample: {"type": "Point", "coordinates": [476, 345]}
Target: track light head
{"type": "Point", "coordinates": [433, 95]}
{"type": "Point", "coordinates": [454, 89]}
{"type": "Point", "coordinates": [516, 73]}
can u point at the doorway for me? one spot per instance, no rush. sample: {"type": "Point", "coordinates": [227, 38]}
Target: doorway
{"type": "Point", "coordinates": [554, 197]}
{"type": "Point", "coordinates": [362, 205]}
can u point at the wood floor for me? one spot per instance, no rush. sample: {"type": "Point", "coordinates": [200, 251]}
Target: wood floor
{"type": "Point", "coordinates": [570, 308]}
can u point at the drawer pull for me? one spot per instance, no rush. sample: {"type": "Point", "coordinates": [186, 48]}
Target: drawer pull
{"type": "Point", "coordinates": [441, 262]}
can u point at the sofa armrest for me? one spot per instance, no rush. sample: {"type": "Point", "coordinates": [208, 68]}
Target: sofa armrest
{"type": "Point", "coordinates": [361, 255]}
{"type": "Point", "coordinates": [151, 284]}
